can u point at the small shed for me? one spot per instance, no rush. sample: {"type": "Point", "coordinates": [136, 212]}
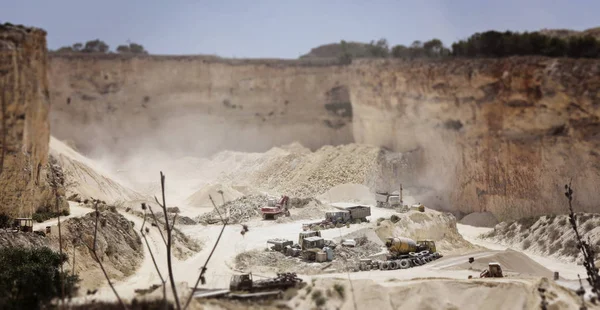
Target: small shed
{"type": "Point", "coordinates": [24, 224]}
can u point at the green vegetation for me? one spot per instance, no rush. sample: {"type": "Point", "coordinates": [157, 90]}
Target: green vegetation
{"type": "Point", "coordinates": [44, 215]}
{"type": "Point", "coordinates": [491, 44]}
{"type": "Point", "coordinates": [526, 244]}
{"type": "Point", "coordinates": [132, 48]}
{"type": "Point", "coordinates": [5, 221]}
{"type": "Point", "coordinates": [340, 289]}
{"type": "Point", "coordinates": [318, 298]}
{"type": "Point", "coordinates": [502, 44]}
{"type": "Point", "coordinates": [100, 47]}
{"type": "Point", "coordinates": [33, 278]}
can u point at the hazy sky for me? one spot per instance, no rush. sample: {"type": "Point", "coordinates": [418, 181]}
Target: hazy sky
{"type": "Point", "coordinates": [285, 28]}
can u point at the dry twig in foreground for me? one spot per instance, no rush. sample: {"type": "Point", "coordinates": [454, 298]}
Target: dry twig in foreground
{"type": "Point", "coordinates": [203, 271]}
{"type": "Point", "coordinates": [143, 233]}
{"type": "Point", "coordinates": [95, 253]}
{"type": "Point", "coordinates": [586, 249]}
{"type": "Point", "coordinates": [169, 229]}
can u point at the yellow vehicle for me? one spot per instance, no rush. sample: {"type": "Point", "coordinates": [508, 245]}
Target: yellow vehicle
{"type": "Point", "coordinates": [400, 246]}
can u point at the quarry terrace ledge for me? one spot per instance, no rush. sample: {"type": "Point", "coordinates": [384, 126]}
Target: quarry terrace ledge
{"type": "Point", "coordinates": [329, 62]}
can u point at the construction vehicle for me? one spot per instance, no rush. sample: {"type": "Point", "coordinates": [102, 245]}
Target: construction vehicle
{"type": "Point", "coordinates": [494, 271]}
{"type": "Point", "coordinates": [403, 253]}
{"type": "Point", "coordinates": [279, 245]}
{"type": "Point", "coordinates": [305, 234]}
{"type": "Point", "coordinates": [312, 247]}
{"type": "Point", "coordinates": [244, 287]}
{"type": "Point", "coordinates": [245, 283]}
{"type": "Point", "coordinates": [389, 200]}
{"type": "Point", "coordinates": [418, 207]}
{"type": "Point", "coordinates": [317, 249]}
{"type": "Point", "coordinates": [313, 243]}
{"type": "Point", "coordinates": [274, 210]}
{"type": "Point", "coordinates": [400, 247]}
{"type": "Point", "coordinates": [347, 215]}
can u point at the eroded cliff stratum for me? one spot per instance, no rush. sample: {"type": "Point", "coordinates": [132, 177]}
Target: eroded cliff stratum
{"type": "Point", "coordinates": [497, 135]}
{"type": "Point", "coordinates": [25, 132]}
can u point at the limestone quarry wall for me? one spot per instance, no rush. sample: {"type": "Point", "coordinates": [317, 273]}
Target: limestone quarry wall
{"type": "Point", "coordinates": [488, 135]}
{"type": "Point", "coordinates": [25, 131]}
{"type": "Point", "coordinates": [196, 105]}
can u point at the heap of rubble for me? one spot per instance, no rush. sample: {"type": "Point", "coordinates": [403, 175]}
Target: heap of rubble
{"type": "Point", "coordinates": [236, 211]}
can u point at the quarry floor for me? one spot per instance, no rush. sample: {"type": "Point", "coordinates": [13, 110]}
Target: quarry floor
{"type": "Point", "coordinates": [232, 243]}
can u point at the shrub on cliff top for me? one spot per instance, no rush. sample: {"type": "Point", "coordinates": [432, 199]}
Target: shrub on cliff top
{"type": "Point", "coordinates": [504, 44]}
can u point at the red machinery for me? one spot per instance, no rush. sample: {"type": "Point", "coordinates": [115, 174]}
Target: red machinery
{"type": "Point", "coordinates": [273, 211]}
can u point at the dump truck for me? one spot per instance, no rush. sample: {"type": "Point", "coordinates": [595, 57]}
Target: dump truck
{"type": "Point", "coordinates": [344, 216]}
{"type": "Point", "coordinates": [245, 283]}
{"type": "Point", "coordinates": [273, 210]}
{"type": "Point", "coordinates": [494, 271]}
{"type": "Point", "coordinates": [404, 253]}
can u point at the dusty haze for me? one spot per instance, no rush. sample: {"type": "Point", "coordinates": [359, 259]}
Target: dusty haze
{"type": "Point", "coordinates": [500, 135]}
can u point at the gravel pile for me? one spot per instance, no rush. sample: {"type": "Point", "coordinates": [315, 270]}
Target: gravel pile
{"type": "Point", "coordinates": [248, 207]}
{"type": "Point", "coordinates": [236, 211]}
{"type": "Point", "coordinates": [302, 174]}
{"type": "Point", "coordinates": [364, 248]}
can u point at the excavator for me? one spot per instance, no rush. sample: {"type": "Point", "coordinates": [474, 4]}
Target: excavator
{"type": "Point", "coordinates": [274, 210]}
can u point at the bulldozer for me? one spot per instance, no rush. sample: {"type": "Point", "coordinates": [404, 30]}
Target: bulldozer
{"type": "Point", "coordinates": [305, 234]}
{"type": "Point", "coordinates": [274, 210]}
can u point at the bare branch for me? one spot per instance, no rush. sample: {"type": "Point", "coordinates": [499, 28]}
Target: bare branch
{"type": "Point", "coordinates": [93, 250]}
{"type": "Point", "coordinates": [164, 282]}
{"type": "Point", "coordinates": [97, 213]}
{"type": "Point", "coordinates": [156, 199]}
{"type": "Point", "coordinates": [4, 129]}
{"type": "Point", "coordinates": [174, 219]}
{"type": "Point", "coordinates": [157, 225]}
{"type": "Point", "coordinates": [586, 249]}
{"type": "Point", "coordinates": [169, 241]}
{"type": "Point", "coordinates": [56, 180]}
{"type": "Point", "coordinates": [203, 271]}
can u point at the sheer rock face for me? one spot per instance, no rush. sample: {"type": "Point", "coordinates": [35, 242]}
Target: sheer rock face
{"type": "Point", "coordinates": [195, 105]}
{"type": "Point", "coordinates": [498, 135]}
{"type": "Point", "coordinates": [25, 131]}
